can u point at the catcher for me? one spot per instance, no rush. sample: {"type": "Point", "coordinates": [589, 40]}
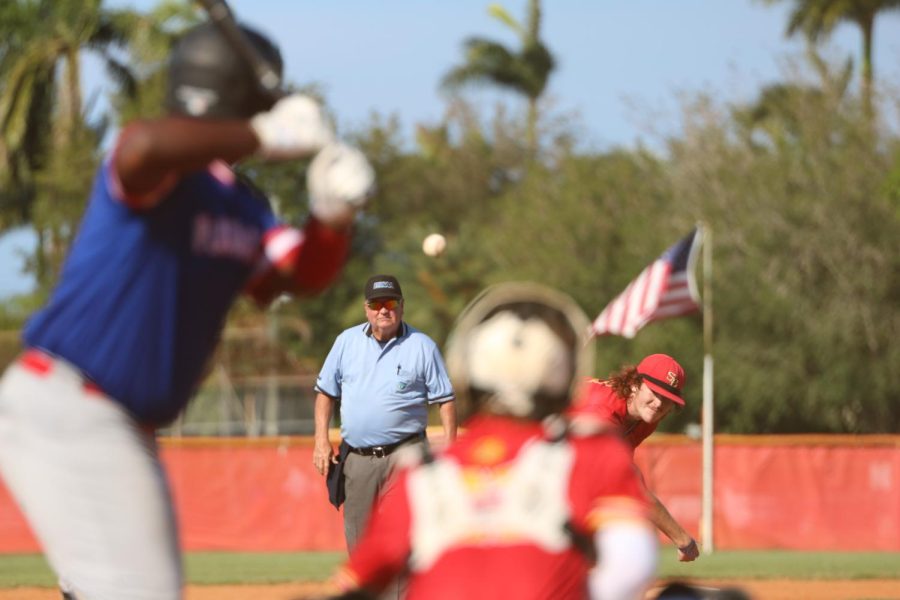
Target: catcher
{"type": "Point", "coordinates": [515, 508]}
{"type": "Point", "coordinates": [169, 240]}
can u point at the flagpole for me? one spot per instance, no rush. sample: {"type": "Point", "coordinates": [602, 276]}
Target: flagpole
{"type": "Point", "coordinates": [706, 522]}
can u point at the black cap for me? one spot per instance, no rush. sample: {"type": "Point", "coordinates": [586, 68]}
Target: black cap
{"type": "Point", "coordinates": [383, 286]}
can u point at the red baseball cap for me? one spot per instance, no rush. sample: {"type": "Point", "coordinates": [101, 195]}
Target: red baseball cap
{"type": "Point", "coordinates": [663, 375]}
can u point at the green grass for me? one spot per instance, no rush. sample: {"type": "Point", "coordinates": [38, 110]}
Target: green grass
{"type": "Point", "coordinates": [17, 570]}
{"type": "Point", "coordinates": [239, 567]}
{"type": "Point", "coordinates": [775, 564]}
{"type": "Point", "coordinates": [25, 570]}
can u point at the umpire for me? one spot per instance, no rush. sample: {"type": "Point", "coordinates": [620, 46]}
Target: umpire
{"type": "Point", "coordinates": [385, 373]}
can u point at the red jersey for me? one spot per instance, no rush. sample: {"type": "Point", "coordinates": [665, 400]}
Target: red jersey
{"type": "Point", "coordinates": [596, 398]}
{"type": "Point", "coordinates": [492, 517]}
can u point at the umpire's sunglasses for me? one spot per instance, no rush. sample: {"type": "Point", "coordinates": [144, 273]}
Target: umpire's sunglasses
{"type": "Point", "coordinates": [379, 304]}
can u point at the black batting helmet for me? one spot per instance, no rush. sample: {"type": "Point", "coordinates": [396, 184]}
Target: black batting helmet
{"type": "Point", "coordinates": [209, 79]}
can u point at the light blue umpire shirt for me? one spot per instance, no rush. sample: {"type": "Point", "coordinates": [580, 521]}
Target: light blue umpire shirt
{"type": "Point", "coordinates": [384, 391]}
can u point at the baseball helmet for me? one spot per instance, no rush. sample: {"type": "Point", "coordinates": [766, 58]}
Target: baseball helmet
{"type": "Point", "coordinates": [209, 79]}
{"type": "Point", "coordinates": [518, 349]}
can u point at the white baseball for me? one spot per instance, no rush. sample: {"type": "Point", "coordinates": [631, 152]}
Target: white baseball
{"type": "Point", "coordinates": [434, 244]}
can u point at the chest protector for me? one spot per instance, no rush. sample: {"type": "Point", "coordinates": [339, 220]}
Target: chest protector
{"type": "Point", "coordinates": [521, 502]}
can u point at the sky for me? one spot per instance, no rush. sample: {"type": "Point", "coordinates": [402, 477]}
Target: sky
{"type": "Point", "coordinates": [622, 64]}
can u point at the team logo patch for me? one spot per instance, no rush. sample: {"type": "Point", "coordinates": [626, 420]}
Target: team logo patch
{"type": "Point", "coordinates": [489, 451]}
{"type": "Point", "coordinates": [672, 378]}
{"type": "Point", "coordinates": [224, 237]}
{"type": "Point", "coordinates": [196, 101]}
{"type": "Point", "coordinates": [380, 285]}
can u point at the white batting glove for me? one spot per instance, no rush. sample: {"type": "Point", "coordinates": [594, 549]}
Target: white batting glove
{"type": "Point", "coordinates": [295, 127]}
{"type": "Point", "coordinates": [340, 181]}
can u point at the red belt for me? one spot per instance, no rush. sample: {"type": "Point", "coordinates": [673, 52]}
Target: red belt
{"type": "Point", "coordinates": [40, 363]}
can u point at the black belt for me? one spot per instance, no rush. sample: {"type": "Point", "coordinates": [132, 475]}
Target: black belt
{"type": "Point", "coordinates": [384, 450]}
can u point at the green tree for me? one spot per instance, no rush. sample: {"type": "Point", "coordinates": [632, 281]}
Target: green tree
{"type": "Point", "coordinates": [776, 116]}
{"type": "Point", "coordinates": [525, 71]}
{"type": "Point", "coordinates": [61, 189]}
{"type": "Point", "coordinates": [805, 263]}
{"type": "Point", "coordinates": [151, 38]}
{"type": "Point", "coordinates": [41, 105]}
{"type": "Point", "coordinates": [41, 63]}
{"type": "Point", "coordinates": [817, 19]}
{"type": "Point", "coordinates": [26, 104]}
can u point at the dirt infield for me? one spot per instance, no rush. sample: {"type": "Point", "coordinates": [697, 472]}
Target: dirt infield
{"type": "Point", "coordinates": [774, 589]}
{"type": "Point", "coordinates": [795, 589]}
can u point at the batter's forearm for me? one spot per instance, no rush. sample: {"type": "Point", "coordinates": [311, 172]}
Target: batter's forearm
{"type": "Point", "coordinates": [149, 151]}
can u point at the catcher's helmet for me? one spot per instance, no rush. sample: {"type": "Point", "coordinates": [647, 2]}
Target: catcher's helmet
{"type": "Point", "coordinates": [209, 79]}
{"type": "Point", "coordinates": [518, 349]}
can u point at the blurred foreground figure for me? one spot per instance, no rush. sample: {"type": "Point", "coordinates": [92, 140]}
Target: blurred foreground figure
{"type": "Point", "coordinates": [169, 239]}
{"type": "Point", "coordinates": [678, 590]}
{"type": "Point", "coordinates": [515, 508]}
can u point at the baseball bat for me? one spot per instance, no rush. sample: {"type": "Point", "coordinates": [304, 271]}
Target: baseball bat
{"type": "Point", "coordinates": [222, 17]}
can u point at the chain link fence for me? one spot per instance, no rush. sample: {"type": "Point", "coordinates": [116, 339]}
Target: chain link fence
{"type": "Point", "coordinates": [251, 407]}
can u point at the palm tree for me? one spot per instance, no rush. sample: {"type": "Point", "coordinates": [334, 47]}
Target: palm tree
{"type": "Point", "coordinates": [47, 149]}
{"type": "Point", "coordinates": [151, 38]}
{"type": "Point", "coordinates": [525, 71]}
{"type": "Point", "coordinates": [818, 18]}
{"type": "Point", "coordinates": [40, 92]}
{"type": "Point", "coordinates": [25, 105]}
{"type": "Point", "coordinates": [778, 112]}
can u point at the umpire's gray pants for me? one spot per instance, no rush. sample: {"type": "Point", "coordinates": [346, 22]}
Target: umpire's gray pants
{"type": "Point", "coordinates": [365, 477]}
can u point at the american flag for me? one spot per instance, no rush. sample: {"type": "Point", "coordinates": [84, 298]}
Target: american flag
{"type": "Point", "coordinates": [664, 289]}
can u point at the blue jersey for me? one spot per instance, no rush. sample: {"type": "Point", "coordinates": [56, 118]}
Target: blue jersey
{"type": "Point", "coordinates": [143, 296]}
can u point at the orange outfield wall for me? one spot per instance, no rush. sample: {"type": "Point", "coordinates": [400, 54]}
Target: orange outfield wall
{"type": "Point", "coordinates": [790, 492]}
{"type": "Point", "coordinates": [797, 492]}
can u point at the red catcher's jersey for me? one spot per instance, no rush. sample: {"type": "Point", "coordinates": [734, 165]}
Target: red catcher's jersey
{"type": "Point", "coordinates": [488, 518]}
{"type": "Point", "coordinates": [596, 398]}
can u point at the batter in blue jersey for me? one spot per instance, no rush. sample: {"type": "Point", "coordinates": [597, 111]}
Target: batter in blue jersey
{"type": "Point", "coordinates": [170, 238]}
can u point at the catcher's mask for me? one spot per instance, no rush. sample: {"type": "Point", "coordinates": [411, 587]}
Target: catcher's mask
{"type": "Point", "coordinates": [516, 350]}
{"type": "Point", "coordinates": [209, 79]}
